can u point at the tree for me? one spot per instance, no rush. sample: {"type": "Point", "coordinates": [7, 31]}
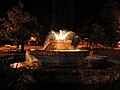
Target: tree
{"type": "Point", "coordinates": [97, 34]}
{"type": "Point", "coordinates": [19, 25]}
{"type": "Point", "coordinates": [85, 30]}
{"type": "Point", "coordinates": [109, 20]}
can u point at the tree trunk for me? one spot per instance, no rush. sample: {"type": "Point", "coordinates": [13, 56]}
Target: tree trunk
{"type": "Point", "coordinates": [22, 46]}
{"type": "Point", "coordinates": [18, 44]}
{"type": "Point", "coordinates": [112, 46]}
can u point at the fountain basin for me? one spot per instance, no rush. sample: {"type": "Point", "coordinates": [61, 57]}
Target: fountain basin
{"type": "Point", "coordinates": [76, 52]}
{"type": "Point", "coordinates": [59, 58]}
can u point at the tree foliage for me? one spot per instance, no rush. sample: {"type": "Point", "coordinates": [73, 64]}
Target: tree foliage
{"type": "Point", "coordinates": [109, 19]}
{"type": "Point", "coordinates": [19, 25]}
{"type": "Point", "coordinates": [97, 34]}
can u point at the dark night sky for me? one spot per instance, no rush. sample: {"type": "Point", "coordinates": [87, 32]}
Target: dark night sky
{"type": "Point", "coordinates": [42, 9]}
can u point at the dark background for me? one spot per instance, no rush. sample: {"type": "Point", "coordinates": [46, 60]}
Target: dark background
{"type": "Point", "coordinates": [42, 9]}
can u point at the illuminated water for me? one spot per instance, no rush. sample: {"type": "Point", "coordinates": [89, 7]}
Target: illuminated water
{"type": "Point", "coordinates": [62, 40]}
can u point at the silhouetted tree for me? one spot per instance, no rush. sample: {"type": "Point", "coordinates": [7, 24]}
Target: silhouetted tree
{"type": "Point", "coordinates": [85, 30]}
{"type": "Point", "coordinates": [19, 25]}
{"type": "Point", "coordinates": [97, 34]}
{"type": "Point", "coordinates": [109, 20]}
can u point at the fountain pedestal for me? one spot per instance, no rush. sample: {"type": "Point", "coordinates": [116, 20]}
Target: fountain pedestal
{"type": "Point", "coordinates": [59, 45]}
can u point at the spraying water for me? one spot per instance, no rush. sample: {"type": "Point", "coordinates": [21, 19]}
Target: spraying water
{"type": "Point", "coordinates": [62, 36]}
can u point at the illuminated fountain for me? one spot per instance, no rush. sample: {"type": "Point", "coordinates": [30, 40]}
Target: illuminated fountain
{"type": "Point", "coordinates": [61, 43]}
{"type": "Point", "coordinates": [60, 48]}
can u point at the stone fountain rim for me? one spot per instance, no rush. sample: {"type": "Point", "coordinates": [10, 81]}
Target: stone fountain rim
{"type": "Point", "coordinates": [74, 50]}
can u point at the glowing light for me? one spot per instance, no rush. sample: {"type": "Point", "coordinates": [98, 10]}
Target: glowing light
{"type": "Point", "coordinates": [61, 40]}
{"type": "Point", "coordinates": [61, 35]}
{"type": "Point", "coordinates": [119, 42]}
{"type": "Point", "coordinates": [33, 38]}
{"type": "Point", "coordinates": [76, 50]}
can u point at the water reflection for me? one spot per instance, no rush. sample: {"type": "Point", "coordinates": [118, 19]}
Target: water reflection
{"type": "Point", "coordinates": [94, 62]}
